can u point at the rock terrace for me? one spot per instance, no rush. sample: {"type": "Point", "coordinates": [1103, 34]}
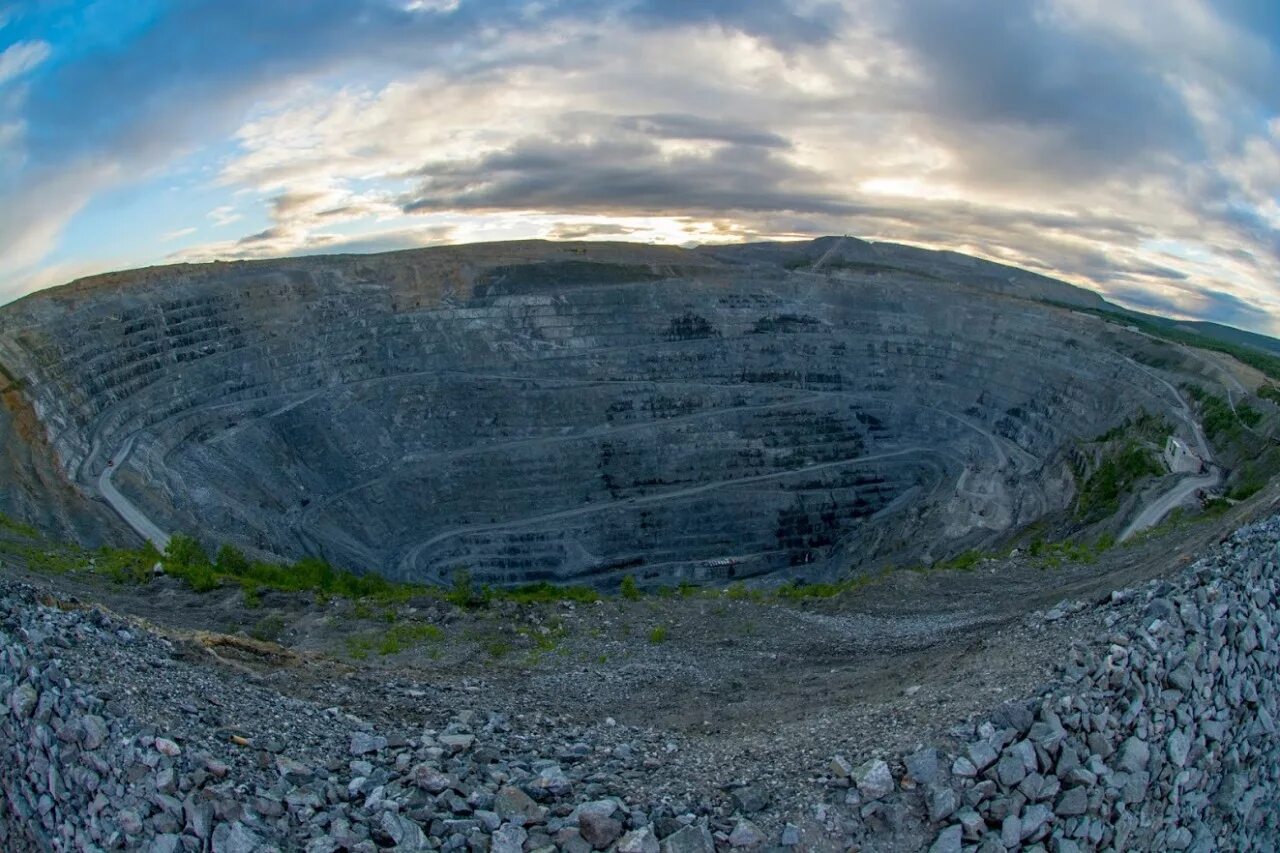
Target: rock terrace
{"type": "Point", "coordinates": [573, 412]}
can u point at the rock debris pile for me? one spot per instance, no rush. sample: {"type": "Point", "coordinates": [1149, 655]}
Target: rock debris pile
{"type": "Point", "coordinates": [1160, 735]}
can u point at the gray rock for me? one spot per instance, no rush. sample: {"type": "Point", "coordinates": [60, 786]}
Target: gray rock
{"type": "Point", "coordinates": [1134, 754]}
{"type": "Point", "coordinates": [93, 732]}
{"type": "Point", "coordinates": [430, 779]}
{"type": "Point", "coordinates": [598, 829]}
{"type": "Point", "coordinates": [235, 838]}
{"type": "Point", "coordinates": [1179, 747]}
{"type": "Point", "coordinates": [949, 840]}
{"type": "Point", "coordinates": [750, 799]}
{"type": "Point", "coordinates": [873, 779]}
{"type": "Point", "coordinates": [129, 821]}
{"type": "Point", "coordinates": [1073, 802]}
{"type": "Point", "coordinates": [746, 834]}
{"type": "Point", "coordinates": [552, 782]}
{"type": "Point", "coordinates": [508, 839]}
{"type": "Point", "coordinates": [364, 743]}
{"type": "Point", "coordinates": [1011, 832]}
{"type": "Point", "coordinates": [1010, 770]}
{"type": "Point", "coordinates": [691, 839]}
{"type": "Point", "coordinates": [922, 766]}
{"type": "Point", "coordinates": [22, 701]}
{"type": "Point", "coordinates": [457, 743]}
{"type": "Point", "coordinates": [165, 843]}
{"type": "Point", "coordinates": [640, 840]}
{"type": "Point", "coordinates": [941, 802]}
{"type": "Point", "coordinates": [971, 824]}
{"type": "Point", "coordinates": [1033, 818]}
{"type": "Point", "coordinates": [511, 802]}
{"type": "Point", "coordinates": [166, 747]}
{"type": "Point", "coordinates": [982, 755]}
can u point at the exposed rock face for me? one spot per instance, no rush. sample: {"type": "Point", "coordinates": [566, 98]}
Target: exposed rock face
{"type": "Point", "coordinates": [549, 411]}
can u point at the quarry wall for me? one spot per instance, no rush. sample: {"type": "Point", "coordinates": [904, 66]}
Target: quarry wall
{"type": "Point", "coordinates": [559, 417]}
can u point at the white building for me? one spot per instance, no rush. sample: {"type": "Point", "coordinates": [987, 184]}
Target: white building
{"type": "Point", "coordinates": [1181, 459]}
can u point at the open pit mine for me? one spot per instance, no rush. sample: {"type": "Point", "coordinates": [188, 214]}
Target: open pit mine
{"type": "Point", "coordinates": [579, 412]}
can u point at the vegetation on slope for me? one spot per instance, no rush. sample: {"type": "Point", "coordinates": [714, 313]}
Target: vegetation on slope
{"type": "Point", "coordinates": [1267, 363]}
{"type": "Point", "coordinates": [1127, 455]}
{"type": "Point", "coordinates": [1254, 458]}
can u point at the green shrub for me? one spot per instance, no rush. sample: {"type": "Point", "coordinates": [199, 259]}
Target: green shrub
{"type": "Point", "coordinates": [126, 565]}
{"type": "Point", "coordinates": [231, 561]}
{"type": "Point", "coordinates": [464, 593]}
{"type": "Point", "coordinates": [629, 590]}
{"type": "Point", "coordinates": [183, 550]}
{"type": "Point", "coordinates": [548, 593]}
{"type": "Point", "coordinates": [1117, 473]}
{"type": "Point", "coordinates": [14, 526]}
{"type": "Point", "coordinates": [658, 634]}
{"type": "Point", "coordinates": [268, 629]}
{"type": "Point", "coordinates": [497, 648]}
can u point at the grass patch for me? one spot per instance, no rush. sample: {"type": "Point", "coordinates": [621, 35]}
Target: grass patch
{"type": "Point", "coordinates": [12, 525]}
{"type": "Point", "coordinates": [268, 629]}
{"type": "Point", "coordinates": [797, 591]}
{"type": "Point", "coordinates": [547, 593]}
{"type": "Point", "coordinates": [406, 636]}
{"type": "Point", "coordinates": [658, 634]}
{"type": "Point", "coordinates": [497, 648]}
{"type": "Point", "coordinates": [1051, 555]}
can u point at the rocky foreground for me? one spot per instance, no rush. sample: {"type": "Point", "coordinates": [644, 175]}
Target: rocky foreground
{"type": "Point", "coordinates": [1160, 735]}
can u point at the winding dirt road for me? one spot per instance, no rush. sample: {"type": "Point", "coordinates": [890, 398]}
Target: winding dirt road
{"type": "Point", "coordinates": [134, 517]}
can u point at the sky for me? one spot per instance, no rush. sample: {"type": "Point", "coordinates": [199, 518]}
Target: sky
{"type": "Point", "coordinates": [1129, 146]}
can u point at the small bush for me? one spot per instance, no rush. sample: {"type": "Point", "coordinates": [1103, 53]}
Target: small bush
{"type": "Point", "coordinates": [497, 648]}
{"type": "Point", "coordinates": [629, 590]}
{"type": "Point", "coordinates": [11, 525]}
{"type": "Point", "coordinates": [465, 594]}
{"type": "Point", "coordinates": [231, 561]}
{"type": "Point", "coordinates": [268, 629]}
{"type": "Point", "coordinates": [658, 634]}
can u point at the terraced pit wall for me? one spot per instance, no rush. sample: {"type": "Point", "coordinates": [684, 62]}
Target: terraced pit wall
{"type": "Point", "coordinates": [529, 414]}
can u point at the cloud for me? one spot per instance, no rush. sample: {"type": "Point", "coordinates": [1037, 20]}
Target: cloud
{"type": "Point", "coordinates": [1197, 303]}
{"type": "Point", "coordinates": [620, 175]}
{"type": "Point", "coordinates": [1129, 146]}
{"type": "Point", "coordinates": [224, 215]}
{"type": "Point", "coordinates": [692, 127]}
{"type": "Point", "coordinates": [281, 241]}
{"type": "Point", "coordinates": [568, 231]}
{"type": "Point", "coordinates": [22, 57]}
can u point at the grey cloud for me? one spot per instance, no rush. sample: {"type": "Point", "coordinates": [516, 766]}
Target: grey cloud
{"type": "Point", "coordinates": [691, 127]}
{"type": "Point", "coordinates": [289, 203]}
{"type": "Point", "coordinates": [1203, 303]}
{"type": "Point", "coordinates": [1001, 63]}
{"type": "Point", "coordinates": [616, 176]}
{"type": "Point", "coordinates": [575, 231]}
